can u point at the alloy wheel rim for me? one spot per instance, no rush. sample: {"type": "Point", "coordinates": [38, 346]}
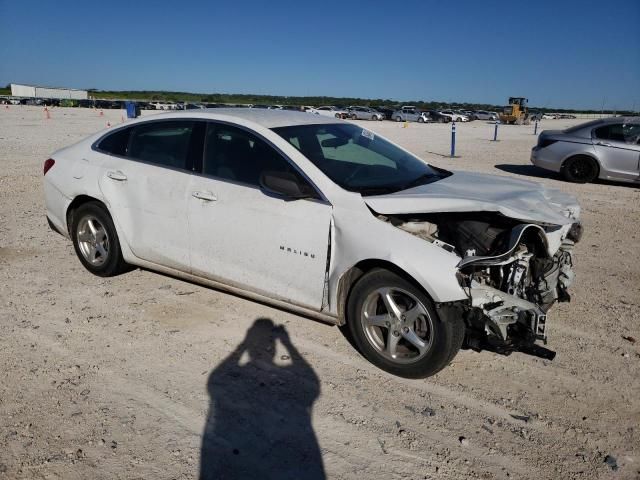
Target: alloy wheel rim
{"type": "Point", "coordinates": [581, 169]}
{"type": "Point", "coordinates": [93, 240]}
{"type": "Point", "coordinates": [397, 325]}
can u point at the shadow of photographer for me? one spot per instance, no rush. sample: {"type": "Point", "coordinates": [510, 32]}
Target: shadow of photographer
{"type": "Point", "coordinates": [259, 421]}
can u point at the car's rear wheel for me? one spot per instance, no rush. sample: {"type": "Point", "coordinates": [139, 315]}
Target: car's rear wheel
{"type": "Point", "coordinates": [354, 116]}
{"type": "Point", "coordinates": [96, 241]}
{"type": "Point", "coordinates": [338, 115]}
{"type": "Point", "coordinates": [398, 119]}
{"type": "Point", "coordinates": [395, 326]}
{"type": "Point", "coordinates": [580, 169]}
{"type": "Point", "coordinates": [420, 120]}
{"type": "Point", "coordinates": [374, 118]}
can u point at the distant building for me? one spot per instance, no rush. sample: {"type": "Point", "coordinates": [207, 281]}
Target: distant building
{"type": "Point", "coordinates": [33, 91]}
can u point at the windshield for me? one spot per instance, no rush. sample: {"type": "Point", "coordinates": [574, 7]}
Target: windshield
{"type": "Point", "coordinates": [358, 160]}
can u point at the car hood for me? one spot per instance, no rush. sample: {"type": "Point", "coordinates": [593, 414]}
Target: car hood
{"type": "Point", "coordinates": [475, 192]}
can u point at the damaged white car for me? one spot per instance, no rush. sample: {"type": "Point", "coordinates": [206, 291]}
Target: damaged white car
{"type": "Point", "coordinates": [325, 218]}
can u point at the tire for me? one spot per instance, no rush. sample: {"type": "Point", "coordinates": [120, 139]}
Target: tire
{"type": "Point", "coordinates": [580, 169]}
{"type": "Point", "coordinates": [374, 118]}
{"type": "Point", "coordinates": [354, 116]}
{"type": "Point", "coordinates": [371, 327]}
{"type": "Point", "coordinates": [398, 119]}
{"type": "Point", "coordinates": [420, 120]}
{"type": "Point", "coordinates": [95, 240]}
{"type": "Point", "coordinates": [441, 120]}
{"type": "Point", "coordinates": [338, 115]}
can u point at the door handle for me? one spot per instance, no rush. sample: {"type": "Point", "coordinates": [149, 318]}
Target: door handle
{"type": "Point", "coordinates": [603, 144]}
{"type": "Point", "coordinates": [117, 175]}
{"type": "Point", "coordinates": [206, 196]}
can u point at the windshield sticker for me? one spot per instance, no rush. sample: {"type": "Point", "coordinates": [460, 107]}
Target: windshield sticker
{"type": "Point", "coordinates": [368, 134]}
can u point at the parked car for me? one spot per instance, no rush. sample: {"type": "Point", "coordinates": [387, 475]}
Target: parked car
{"type": "Point", "coordinates": [455, 116]}
{"type": "Point", "coordinates": [385, 111]}
{"type": "Point", "coordinates": [331, 111]}
{"type": "Point", "coordinates": [485, 115]}
{"type": "Point", "coordinates": [550, 116]}
{"type": "Point", "coordinates": [407, 114]}
{"type": "Point", "coordinates": [364, 113]}
{"type": "Point", "coordinates": [434, 116]}
{"type": "Point", "coordinates": [607, 148]}
{"type": "Point", "coordinates": [566, 116]}
{"type": "Point", "coordinates": [535, 115]}
{"type": "Point", "coordinates": [325, 218]}
{"type": "Point", "coordinates": [471, 115]}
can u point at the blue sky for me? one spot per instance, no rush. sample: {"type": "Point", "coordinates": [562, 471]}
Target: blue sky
{"type": "Point", "coordinates": [572, 54]}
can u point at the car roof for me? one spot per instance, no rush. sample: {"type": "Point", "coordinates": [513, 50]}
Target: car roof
{"type": "Point", "coordinates": [601, 122]}
{"type": "Point", "coordinates": [265, 118]}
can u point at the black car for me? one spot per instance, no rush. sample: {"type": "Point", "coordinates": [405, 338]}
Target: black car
{"type": "Point", "coordinates": [387, 112]}
{"type": "Point", "coordinates": [437, 117]}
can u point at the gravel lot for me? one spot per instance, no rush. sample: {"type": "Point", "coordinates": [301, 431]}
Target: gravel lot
{"type": "Point", "coordinates": [113, 378]}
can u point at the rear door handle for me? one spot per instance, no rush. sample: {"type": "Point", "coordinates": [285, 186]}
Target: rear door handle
{"type": "Point", "coordinates": [117, 175]}
{"type": "Point", "coordinates": [206, 196]}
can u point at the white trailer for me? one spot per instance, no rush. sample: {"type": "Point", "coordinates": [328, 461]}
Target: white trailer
{"type": "Point", "coordinates": [34, 91]}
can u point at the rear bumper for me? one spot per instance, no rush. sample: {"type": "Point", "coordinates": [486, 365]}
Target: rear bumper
{"type": "Point", "coordinates": [56, 204]}
{"type": "Point", "coordinates": [538, 159]}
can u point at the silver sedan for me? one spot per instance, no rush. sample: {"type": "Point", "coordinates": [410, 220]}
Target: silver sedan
{"type": "Point", "coordinates": [608, 149]}
{"type": "Point", "coordinates": [364, 113]}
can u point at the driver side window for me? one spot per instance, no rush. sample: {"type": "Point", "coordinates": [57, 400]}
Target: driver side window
{"type": "Point", "coordinates": [232, 153]}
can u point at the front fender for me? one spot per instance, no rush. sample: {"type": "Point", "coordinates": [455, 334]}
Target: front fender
{"type": "Point", "coordinates": [357, 238]}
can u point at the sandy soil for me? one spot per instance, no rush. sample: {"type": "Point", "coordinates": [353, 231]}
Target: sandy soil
{"type": "Point", "coordinates": [113, 378]}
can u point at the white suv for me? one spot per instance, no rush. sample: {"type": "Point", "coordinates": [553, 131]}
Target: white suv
{"type": "Point", "coordinates": [326, 218]}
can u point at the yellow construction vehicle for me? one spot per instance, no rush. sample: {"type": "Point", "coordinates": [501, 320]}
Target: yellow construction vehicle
{"type": "Point", "coordinates": [517, 112]}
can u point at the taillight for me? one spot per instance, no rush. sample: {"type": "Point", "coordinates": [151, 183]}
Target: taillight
{"type": "Point", "coordinates": [545, 142]}
{"type": "Point", "coordinates": [47, 165]}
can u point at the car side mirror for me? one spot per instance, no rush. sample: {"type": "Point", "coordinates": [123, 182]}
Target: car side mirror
{"type": "Point", "coordinates": [286, 184]}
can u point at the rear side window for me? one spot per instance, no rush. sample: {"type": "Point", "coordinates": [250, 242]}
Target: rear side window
{"type": "Point", "coordinates": [116, 143]}
{"type": "Point", "coordinates": [631, 132]}
{"type": "Point", "coordinates": [163, 143]}
{"type": "Point", "coordinates": [610, 132]}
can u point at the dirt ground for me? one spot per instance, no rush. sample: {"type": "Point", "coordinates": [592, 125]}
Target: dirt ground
{"type": "Point", "coordinates": [113, 378]}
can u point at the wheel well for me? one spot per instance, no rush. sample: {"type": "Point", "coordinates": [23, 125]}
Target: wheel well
{"type": "Point", "coordinates": [351, 276]}
{"type": "Point", "coordinates": [580, 155]}
{"type": "Point", "coordinates": [75, 204]}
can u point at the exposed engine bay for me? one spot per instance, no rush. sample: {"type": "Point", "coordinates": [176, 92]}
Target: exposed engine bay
{"type": "Point", "coordinates": [512, 272]}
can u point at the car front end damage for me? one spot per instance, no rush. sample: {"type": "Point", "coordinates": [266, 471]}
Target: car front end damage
{"type": "Point", "coordinates": [511, 271]}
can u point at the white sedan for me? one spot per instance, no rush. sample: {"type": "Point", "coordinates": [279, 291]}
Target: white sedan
{"type": "Point", "coordinates": [325, 218]}
{"type": "Point", "coordinates": [454, 116]}
{"type": "Point", "coordinates": [330, 111]}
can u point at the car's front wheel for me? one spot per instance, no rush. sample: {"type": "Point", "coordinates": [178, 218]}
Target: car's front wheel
{"type": "Point", "coordinates": [398, 119]}
{"type": "Point", "coordinates": [395, 326]}
{"type": "Point", "coordinates": [580, 169]}
{"type": "Point", "coordinates": [96, 241]}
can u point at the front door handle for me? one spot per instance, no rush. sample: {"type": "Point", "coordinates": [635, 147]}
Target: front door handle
{"type": "Point", "coordinates": [117, 175]}
{"type": "Point", "coordinates": [206, 196]}
{"type": "Point", "coordinates": [603, 144]}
